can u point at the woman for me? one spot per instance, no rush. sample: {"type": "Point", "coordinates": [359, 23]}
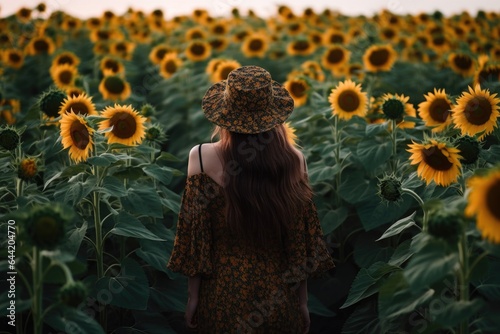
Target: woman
{"type": "Point", "coordinates": [248, 235]}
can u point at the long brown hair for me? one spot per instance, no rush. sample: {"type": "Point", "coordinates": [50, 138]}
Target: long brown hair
{"type": "Point", "coordinates": [264, 186]}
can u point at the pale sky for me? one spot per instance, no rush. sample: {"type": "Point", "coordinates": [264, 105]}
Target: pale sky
{"type": "Point", "coordinates": [88, 8]}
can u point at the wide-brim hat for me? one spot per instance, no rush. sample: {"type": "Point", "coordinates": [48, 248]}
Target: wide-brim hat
{"type": "Point", "coordinates": [249, 101]}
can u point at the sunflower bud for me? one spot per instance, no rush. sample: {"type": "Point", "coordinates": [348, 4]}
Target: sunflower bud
{"type": "Point", "coordinates": [390, 188]}
{"type": "Point", "coordinates": [469, 149]}
{"type": "Point", "coordinates": [73, 294]}
{"type": "Point", "coordinates": [45, 226]}
{"type": "Point", "coordinates": [9, 139]}
{"type": "Point", "coordinates": [51, 101]}
{"type": "Point", "coordinates": [446, 225]}
{"type": "Point", "coordinates": [148, 110]}
{"type": "Point", "coordinates": [393, 108]}
{"type": "Point", "coordinates": [27, 169]}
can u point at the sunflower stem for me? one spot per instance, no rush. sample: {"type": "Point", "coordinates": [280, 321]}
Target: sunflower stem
{"type": "Point", "coordinates": [463, 277]}
{"type": "Point", "coordinates": [336, 133]}
{"type": "Point", "coordinates": [420, 202]}
{"type": "Point", "coordinates": [394, 148]}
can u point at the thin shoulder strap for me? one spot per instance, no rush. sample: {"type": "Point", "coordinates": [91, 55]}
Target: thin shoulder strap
{"type": "Point", "coordinates": [199, 153]}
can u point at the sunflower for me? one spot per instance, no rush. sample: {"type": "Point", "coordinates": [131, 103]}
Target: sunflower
{"type": "Point", "coordinates": [114, 87]}
{"type": "Point", "coordinates": [437, 161]}
{"type": "Point", "coordinates": [223, 70]}
{"type": "Point", "coordinates": [195, 33]}
{"type": "Point", "coordinates": [122, 49]}
{"type": "Point", "coordinates": [487, 73]}
{"type": "Point", "coordinates": [495, 53]}
{"type": "Point", "coordinates": [198, 51]}
{"type": "Point", "coordinates": [334, 36]}
{"type": "Point", "coordinates": [476, 111]}
{"type": "Point", "coordinates": [28, 169]}
{"type": "Point", "coordinates": [409, 110]}
{"type": "Point", "coordinates": [71, 24]}
{"type": "Point", "coordinates": [295, 28]}
{"type": "Point", "coordinates": [436, 110]}
{"type": "Point", "coordinates": [64, 75]}
{"type": "Point", "coordinates": [291, 137]}
{"type": "Point", "coordinates": [104, 35]}
{"type": "Point", "coordinates": [13, 58]}
{"type": "Point", "coordinates": [219, 43]}
{"type": "Point", "coordinates": [255, 45]}
{"type": "Point", "coordinates": [378, 58]}
{"type": "Point", "coordinates": [461, 63]}
{"type": "Point", "coordinates": [111, 65]}
{"type": "Point", "coordinates": [170, 65]}
{"type": "Point", "coordinates": [298, 89]}
{"type": "Point", "coordinates": [301, 47]}
{"type": "Point", "coordinates": [347, 100]}
{"type": "Point", "coordinates": [439, 42]}
{"type": "Point", "coordinates": [40, 45]}
{"type": "Point", "coordinates": [335, 57]}
{"type": "Point", "coordinates": [80, 105]}
{"type": "Point", "coordinates": [66, 57]}
{"type": "Point", "coordinates": [483, 203]}
{"type": "Point", "coordinates": [93, 23]}
{"type": "Point", "coordinates": [24, 15]}
{"type": "Point", "coordinates": [127, 126]}
{"type": "Point", "coordinates": [220, 27]}
{"type": "Point", "coordinates": [355, 70]}
{"type": "Point", "coordinates": [313, 70]}
{"type": "Point", "coordinates": [213, 64]}
{"type": "Point", "coordinates": [76, 135]}
{"type": "Point", "coordinates": [74, 92]}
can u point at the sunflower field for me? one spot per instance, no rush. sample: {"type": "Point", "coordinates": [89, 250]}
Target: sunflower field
{"type": "Point", "coordinates": [397, 116]}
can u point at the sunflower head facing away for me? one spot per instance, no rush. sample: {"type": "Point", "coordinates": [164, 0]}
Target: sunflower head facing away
{"type": "Point", "coordinates": [347, 100]}
{"type": "Point", "coordinates": [127, 126]}
{"type": "Point", "coordinates": [483, 204]}
{"type": "Point", "coordinates": [476, 111]}
{"type": "Point", "coordinates": [51, 101]}
{"type": "Point", "coordinates": [436, 110]}
{"type": "Point", "coordinates": [76, 135]}
{"type": "Point", "coordinates": [437, 161]}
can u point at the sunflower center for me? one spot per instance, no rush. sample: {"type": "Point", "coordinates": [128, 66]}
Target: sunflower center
{"type": "Point", "coordinates": [255, 45]}
{"type": "Point", "coordinates": [335, 56]}
{"type": "Point", "coordinates": [493, 198]}
{"type": "Point", "coordinates": [4, 38]}
{"type": "Point", "coordinates": [160, 53]}
{"type": "Point", "coordinates": [197, 49]}
{"type": "Point", "coordinates": [436, 159]}
{"type": "Point", "coordinates": [389, 33]}
{"type": "Point", "coordinates": [25, 12]}
{"type": "Point", "coordinates": [224, 72]}
{"type": "Point", "coordinates": [121, 47]}
{"type": "Point", "coordinates": [196, 34]}
{"type": "Point", "coordinates": [219, 29]}
{"type": "Point", "coordinates": [112, 65]}
{"type": "Point", "coordinates": [478, 110]}
{"type": "Point", "coordinates": [79, 135]}
{"type": "Point", "coordinates": [170, 66]}
{"type": "Point", "coordinates": [462, 62]}
{"type": "Point", "coordinates": [438, 40]}
{"type": "Point", "coordinates": [297, 89]}
{"type": "Point", "coordinates": [103, 34]}
{"type": "Point", "coordinates": [114, 84]}
{"type": "Point", "coordinates": [489, 74]}
{"type": "Point", "coordinates": [14, 57]}
{"type": "Point", "coordinates": [439, 110]}
{"type": "Point", "coordinates": [41, 45]}
{"type": "Point", "coordinates": [124, 125]}
{"type": "Point", "coordinates": [301, 45]}
{"type": "Point", "coordinates": [65, 59]}
{"type": "Point", "coordinates": [348, 101]}
{"type": "Point", "coordinates": [336, 39]}
{"type": "Point", "coordinates": [66, 77]}
{"type": "Point", "coordinates": [316, 38]}
{"type": "Point", "coordinates": [216, 43]}
{"type": "Point", "coordinates": [78, 108]}
{"type": "Point", "coordinates": [379, 57]}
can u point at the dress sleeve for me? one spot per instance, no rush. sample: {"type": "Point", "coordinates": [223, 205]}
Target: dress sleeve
{"type": "Point", "coordinates": [193, 240]}
{"type": "Point", "coordinates": [307, 251]}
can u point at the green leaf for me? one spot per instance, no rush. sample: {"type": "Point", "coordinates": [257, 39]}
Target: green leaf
{"type": "Point", "coordinates": [129, 289]}
{"type": "Point", "coordinates": [160, 173]}
{"type": "Point", "coordinates": [401, 254]}
{"type": "Point", "coordinates": [74, 191]}
{"type": "Point", "coordinates": [373, 153]}
{"type": "Point", "coordinates": [333, 219]}
{"type": "Point", "coordinates": [143, 201]}
{"type": "Point", "coordinates": [430, 264]}
{"type": "Point", "coordinates": [367, 251]}
{"type": "Point", "coordinates": [67, 172]}
{"type": "Point", "coordinates": [169, 295]}
{"type": "Point", "coordinates": [103, 160]}
{"type": "Point", "coordinates": [356, 188]}
{"type": "Point", "coordinates": [453, 313]}
{"type": "Point", "coordinates": [170, 199]}
{"type": "Point", "coordinates": [364, 319]}
{"type": "Point", "coordinates": [399, 226]}
{"type": "Point", "coordinates": [165, 156]}
{"type": "Point", "coordinates": [375, 129]}
{"type": "Point", "coordinates": [67, 319]}
{"type": "Point", "coordinates": [323, 173]}
{"type": "Point", "coordinates": [129, 226]}
{"type": "Point", "coordinates": [316, 307]}
{"type": "Point", "coordinates": [113, 186]}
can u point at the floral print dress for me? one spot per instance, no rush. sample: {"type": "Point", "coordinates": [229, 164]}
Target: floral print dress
{"type": "Point", "coordinates": [243, 289]}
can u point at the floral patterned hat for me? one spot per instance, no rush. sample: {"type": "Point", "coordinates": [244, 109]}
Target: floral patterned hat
{"type": "Point", "coordinates": [249, 101]}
